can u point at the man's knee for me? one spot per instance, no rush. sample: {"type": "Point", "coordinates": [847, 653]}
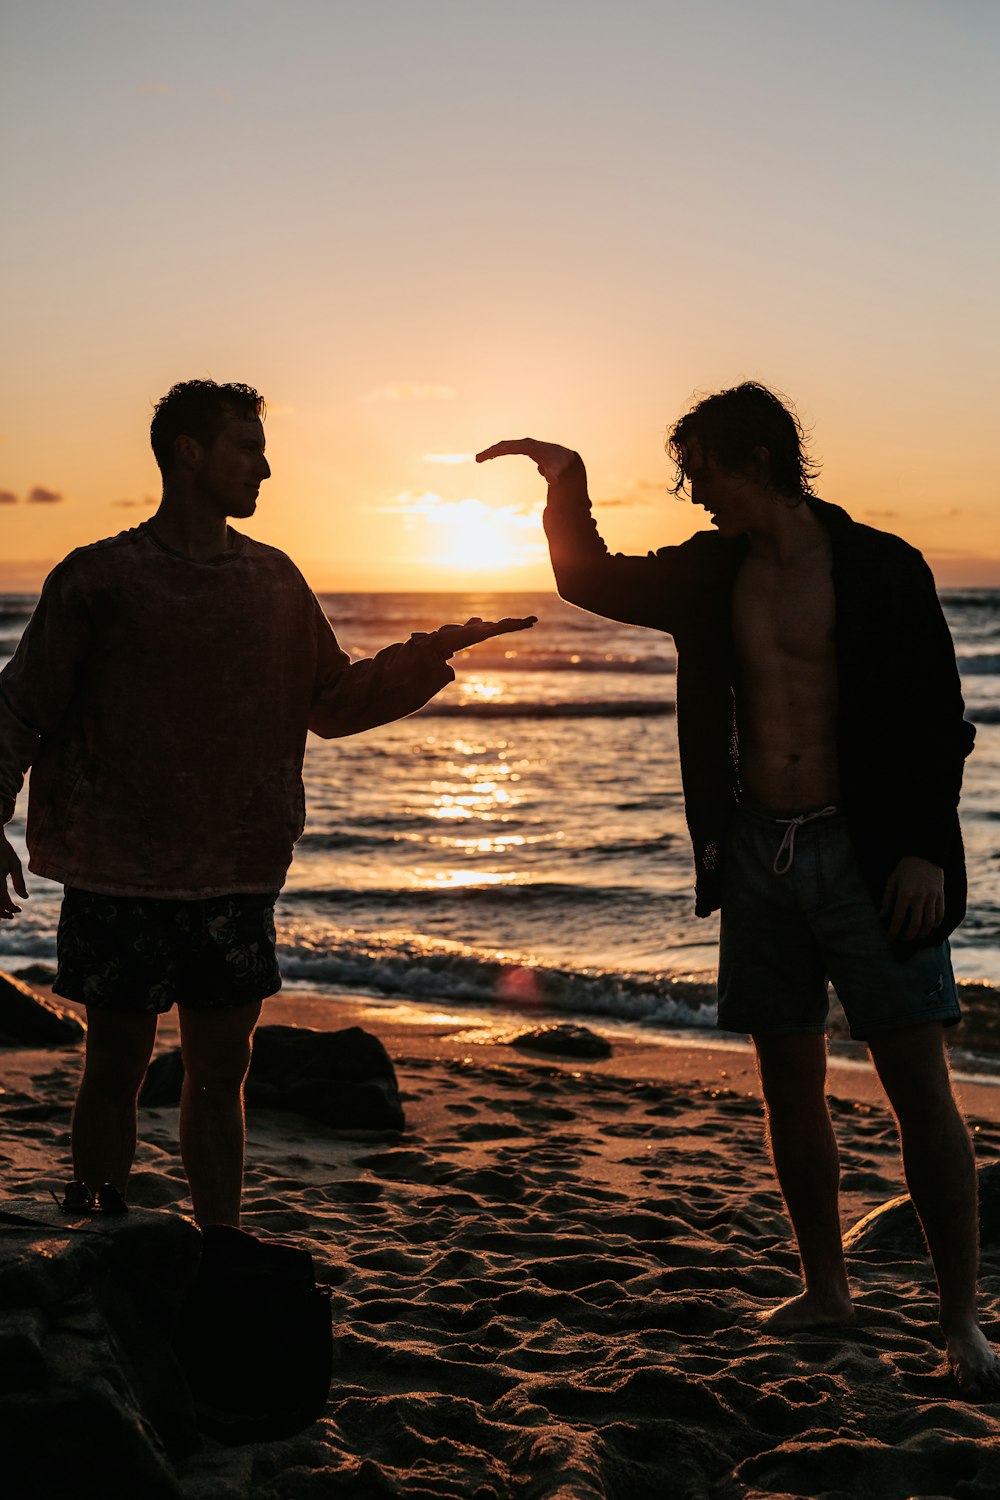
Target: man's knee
{"type": "Point", "coordinates": [216, 1049]}
{"type": "Point", "coordinates": [217, 1074]}
{"type": "Point", "coordinates": [118, 1050]}
{"type": "Point", "coordinates": [792, 1068]}
{"type": "Point", "coordinates": [912, 1066]}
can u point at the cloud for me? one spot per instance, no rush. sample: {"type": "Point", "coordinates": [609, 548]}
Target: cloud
{"type": "Point", "coordinates": [448, 458]}
{"type": "Point", "coordinates": [882, 515]}
{"type": "Point", "coordinates": [441, 512]}
{"type": "Point", "coordinates": [406, 390]}
{"type": "Point", "coordinates": [7, 497]}
{"type": "Point", "coordinates": [157, 86]}
{"type": "Point", "coordinates": [147, 502]}
{"type": "Point", "coordinates": [41, 496]}
{"type": "Point", "coordinates": [644, 492]}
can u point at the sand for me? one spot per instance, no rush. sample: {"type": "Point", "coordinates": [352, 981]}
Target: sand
{"type": "Point", "coordinates": [549, 1285]}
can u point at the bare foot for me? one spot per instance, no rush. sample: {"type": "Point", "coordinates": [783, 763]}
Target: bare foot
{"type": "Point", "coordinates": [974, 1363]}
{"type": "Point", "coordinates": [808, 1310]}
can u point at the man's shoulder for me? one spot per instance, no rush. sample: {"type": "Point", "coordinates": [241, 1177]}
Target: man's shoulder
{"type": "Point", "coordinates": [261, 551]}
{"type": "Point", "coordinates": [95, 557]}
{"type": "Point", "coordinates": [271, 559]}
{"type": "Point", "coordinates": [862, 538]}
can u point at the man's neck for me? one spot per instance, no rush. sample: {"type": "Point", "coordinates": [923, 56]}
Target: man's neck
{"type": "Point", "coordinates": [190, 531]}
{"type": "Point", "coordinates": [786, 531]}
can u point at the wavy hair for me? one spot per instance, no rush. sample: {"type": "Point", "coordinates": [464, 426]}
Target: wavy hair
{"type": "Point", "coordinates": [731, 425]}
{"type": "Point", "coordinates": [198, 409]}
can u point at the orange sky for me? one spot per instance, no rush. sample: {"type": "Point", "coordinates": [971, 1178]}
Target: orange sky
{"type": "Point", "coordinates": [419, 229]}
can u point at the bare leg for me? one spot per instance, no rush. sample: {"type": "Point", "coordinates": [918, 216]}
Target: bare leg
{"type": "Point", "coordinates": [807, 1164]}
{"type": "Point", "coordinates": [103, 1132]}
{"type": "Point", "coordinates": [216, 1049]}
{"type": "Point", "coordinates": [940, 1169]}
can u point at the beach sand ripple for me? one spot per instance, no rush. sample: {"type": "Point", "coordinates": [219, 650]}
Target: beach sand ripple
{"type": "Point", "coordinates": [548, 1289]}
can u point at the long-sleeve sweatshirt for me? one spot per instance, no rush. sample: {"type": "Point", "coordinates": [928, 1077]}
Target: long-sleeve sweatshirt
{"type": "Point", "coordinates": [902, 737]}
{"type": "Point", "coordinates": [162, 704]}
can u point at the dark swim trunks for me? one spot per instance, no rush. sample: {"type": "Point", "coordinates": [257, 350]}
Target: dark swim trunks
{"type": "Point", "coordinates": [795, 913]}
{"type": "Point", "coordinates": [141, 954]}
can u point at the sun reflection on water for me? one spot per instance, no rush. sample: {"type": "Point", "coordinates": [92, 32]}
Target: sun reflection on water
{"type": "Point", "coordinates": [451, 880]}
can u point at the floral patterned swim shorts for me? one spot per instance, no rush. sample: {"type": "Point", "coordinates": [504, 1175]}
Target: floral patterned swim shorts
{"type": "Point", "coordinates": [141, 954]}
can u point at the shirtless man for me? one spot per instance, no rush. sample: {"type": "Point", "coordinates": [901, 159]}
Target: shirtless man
{"type": "Point", "coordinates": [822, 741]}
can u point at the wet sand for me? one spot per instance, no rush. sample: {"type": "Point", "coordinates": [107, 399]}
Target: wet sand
{"type": "Point", "coordinates": [548, 1286]}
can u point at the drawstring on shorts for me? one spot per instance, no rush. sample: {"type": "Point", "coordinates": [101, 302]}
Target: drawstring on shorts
{"type": "Point", "coordinates": [786, 849]}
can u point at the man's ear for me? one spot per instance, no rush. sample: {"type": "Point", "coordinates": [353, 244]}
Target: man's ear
{"type": "Point", "coordinates": [760, 465]}
{"type": "Point", "coordinates": [188, 451]}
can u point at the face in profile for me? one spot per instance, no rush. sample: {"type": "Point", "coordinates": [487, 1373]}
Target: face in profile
{"type": "Point", "coordinates": [233, 469]}
{"type": "Point", "coordinates": [728, 497]}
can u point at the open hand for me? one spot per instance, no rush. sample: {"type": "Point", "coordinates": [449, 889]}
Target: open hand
{"type": "Point", "coordinates": [10, 868]}
{"type": "Point", "coordinates": [552, 460]}
{"type": "Point", "coordinates": [913, 901]}
{"type": "Point", "coordinates": [451, 638]}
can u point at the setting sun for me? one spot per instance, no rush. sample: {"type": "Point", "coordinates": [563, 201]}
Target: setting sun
{"type": "Point", "coordinates": [468, 535]}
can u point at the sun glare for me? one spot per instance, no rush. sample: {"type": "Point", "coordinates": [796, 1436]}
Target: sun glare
{"type": "Point", "coordinates": [480, 538]}
{"type": "Point", "coordinates": [469, 535]}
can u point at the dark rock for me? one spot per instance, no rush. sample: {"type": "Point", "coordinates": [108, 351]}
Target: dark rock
{"type": "Point", "coordinates": [570, 1040]}
{"type": "Point", "coordinates": [26, 1020]}
{"type": "Point", "coordinates": [92, 1401]}
{"type": "Point", "coordinates": [343, 1078]}
{"type": "Point", "coordinates": [37, 973]}
{"type": "Point", "coordinates": [893, 1228]}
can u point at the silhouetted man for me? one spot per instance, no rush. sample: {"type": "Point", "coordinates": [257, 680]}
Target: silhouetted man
{"type": "Point", "coordinates": [822, 743]}
{"type": "Point", "coordinates": [161, 693]}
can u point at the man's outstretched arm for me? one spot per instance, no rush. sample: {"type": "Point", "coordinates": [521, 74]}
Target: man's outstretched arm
{"type": "Point", "coordinates": [352, 696]}
{"type": "Point", "coordinates": [636, 590]}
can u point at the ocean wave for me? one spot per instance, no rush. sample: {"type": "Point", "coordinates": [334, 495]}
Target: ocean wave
{"type": "Point", "coordinates": [523, 894]}
{"type": "Point", "coordinates": [457, 975]}
{"type": "Point", "coordinates": [630, 708]}
{"type": "Point", "coordinates": [985, 664]}
{"type": "Point", "coordinates": [15, 616]}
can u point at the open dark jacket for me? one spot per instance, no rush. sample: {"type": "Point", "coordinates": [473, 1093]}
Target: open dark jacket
{"type": "Point", "coordinates": [902, 737]}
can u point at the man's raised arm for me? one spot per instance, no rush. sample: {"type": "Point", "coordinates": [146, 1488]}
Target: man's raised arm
{"type": "Point", "coordinates": [635, 590]}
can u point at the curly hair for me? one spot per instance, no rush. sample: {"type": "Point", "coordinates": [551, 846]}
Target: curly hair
{"type": "Point", "coordinates": [198, 409]}
{"type": "Point", "coordinates": [732, 424]}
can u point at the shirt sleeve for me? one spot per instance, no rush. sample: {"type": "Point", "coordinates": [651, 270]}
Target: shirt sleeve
{"type": "Point", "coordinates": [932, 711]}
{"type": "Point", "coordinates": [651, 590]}
{"type": "Point", "coordinates": [350, 696]}
{"type": "Point", "coordinates": [39, 682]}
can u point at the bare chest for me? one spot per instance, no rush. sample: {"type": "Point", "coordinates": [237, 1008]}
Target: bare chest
{"type": "Point", "coordinates": [784, 616]}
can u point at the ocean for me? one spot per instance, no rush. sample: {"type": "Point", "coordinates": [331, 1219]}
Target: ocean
{"type": "Point", "coordinates": [520, 843]}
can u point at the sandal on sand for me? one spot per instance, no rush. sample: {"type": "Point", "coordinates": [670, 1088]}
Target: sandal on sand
{"type": "Point", "coordinates": [110, 1200]}
{"type": "Point", "coordinates": [76, 1199]}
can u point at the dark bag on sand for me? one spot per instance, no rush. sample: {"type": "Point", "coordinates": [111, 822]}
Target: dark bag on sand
{"type": "Point", "coordinates": [254, 1338]}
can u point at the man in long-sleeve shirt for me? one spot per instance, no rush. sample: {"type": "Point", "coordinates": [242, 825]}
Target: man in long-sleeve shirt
{"type": "Point", "coordinates": [161, 694]}
{"type": "Point", "coordinates": [822, 740]}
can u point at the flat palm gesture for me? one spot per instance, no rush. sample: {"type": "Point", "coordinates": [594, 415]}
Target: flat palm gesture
{"type": "Point", "coordinates": [451, 638]}
{"type": "Point", "coordinates": [552, 460]}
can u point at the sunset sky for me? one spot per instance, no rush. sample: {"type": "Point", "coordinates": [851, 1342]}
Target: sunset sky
{"type": "Point", "coordinates": [420, 226]}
